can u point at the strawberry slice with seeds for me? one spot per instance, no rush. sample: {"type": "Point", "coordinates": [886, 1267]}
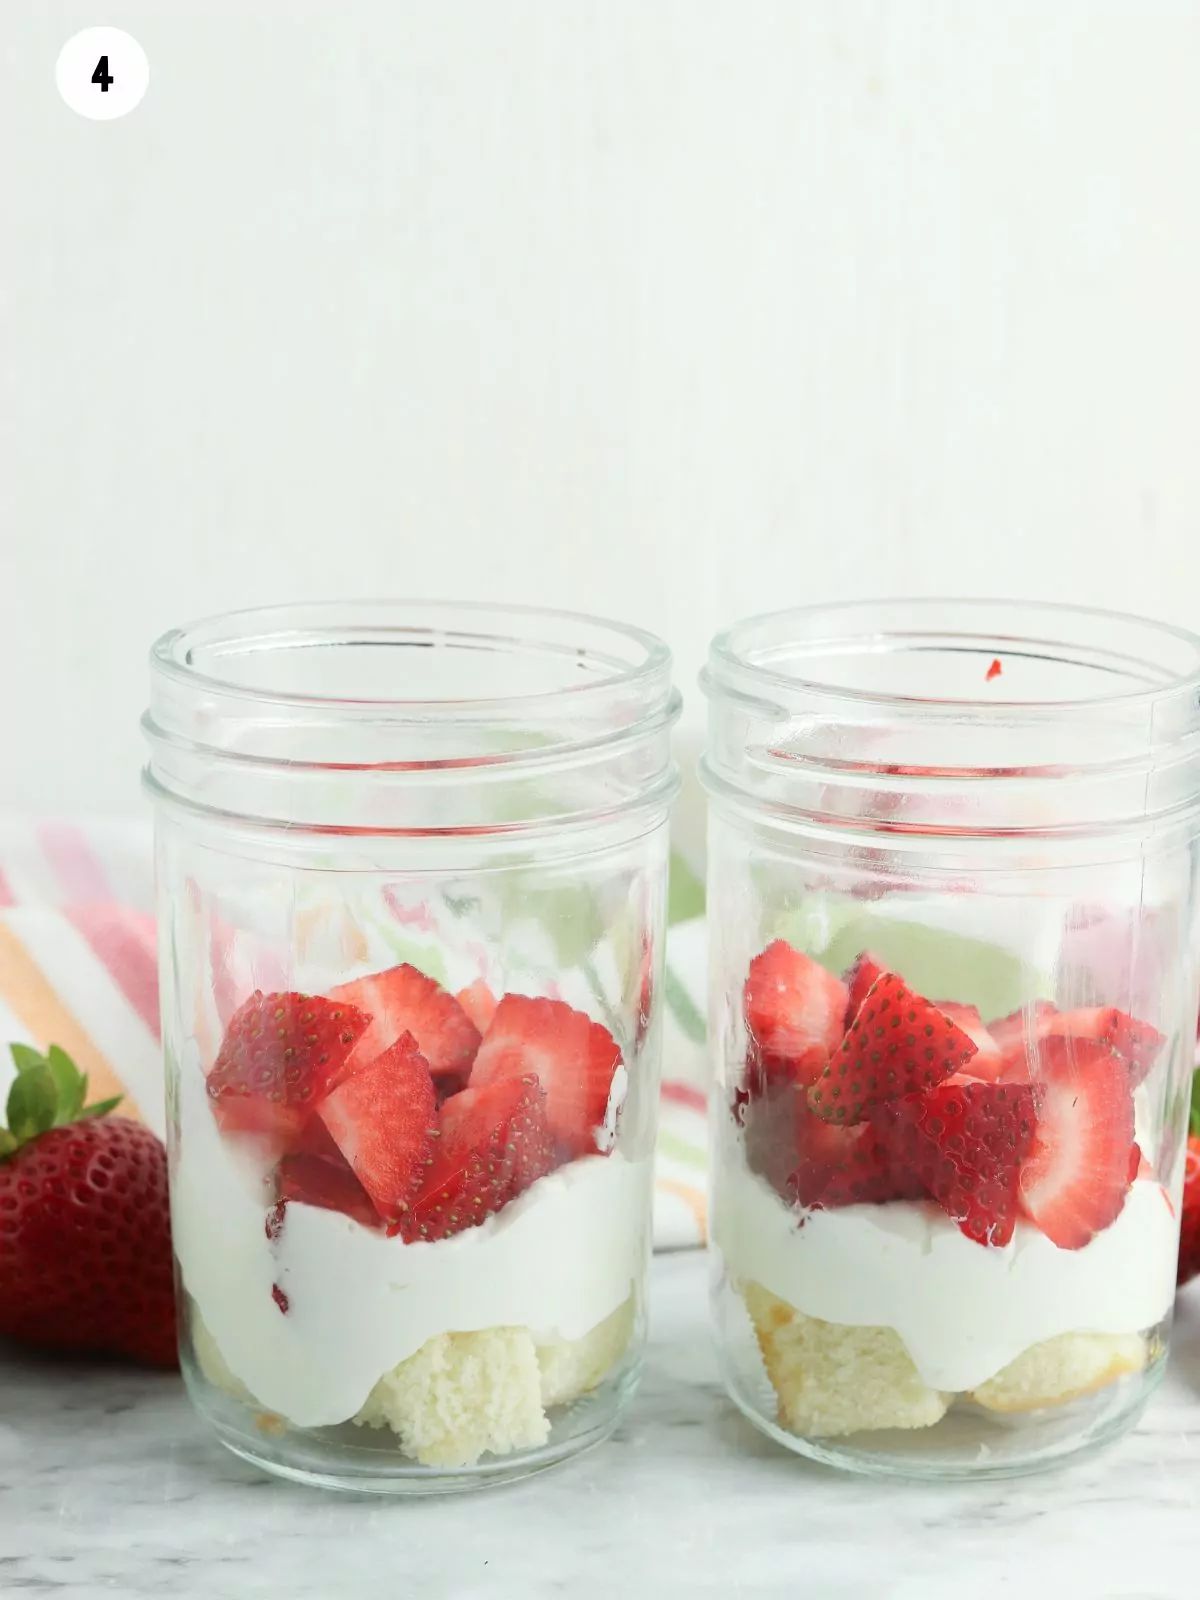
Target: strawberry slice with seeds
{"type": "Point", "coordinates": [814, 1163]}
{"type": "Point", "coordinates": [1019, 1037]}
{"type": "Point", "coordinates": [1077, 1174]}
{"type": "Point", "coordinates": [479, 1003]}
{"type": "Point", "coordinates": [1136, 1043]}
{"type": "Point", "coordinates": [898, 1044]}
{"type": "Point", "coordinates": [988, 1060]}
{"type": "Point", "coordinates": [860, 978]}
{"type": "Point", "coordinates": [493, 1142]}
{"type": "Point", "coordinates": [572, 1058]}
{"type": "Point", "coordinates": [965, 1141]}
{"type": "Point", "coordinates": [281, 1056]}
{"type": "Point", "coordinates": [327, 1184]}
{"type": "Point", "coordinates": [404, 1000]}
{"type": "Point", "coordinates": [381, 1119]}
{"type": "Point", "coordinates": [795, 1012]}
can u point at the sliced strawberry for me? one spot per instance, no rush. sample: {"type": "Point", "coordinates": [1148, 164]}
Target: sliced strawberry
{"type": "Point", "coordinates": [281, 1055]}
{"type": "Point", "coordinates": [572, 1057]}
{"type": "Point", "coordinates": [493, 1142]}
{"type": "Point", "coordinates": [1019, 1036]}
{"type": "Point", "coordinates": [1137, 1043]}
{"type": "Point", "coordinates": [645, 988]}
{"type": "Point", "coordinates": [811, 1162]}
{"type": "Point", "coordinates": [479, 1003]}
{"type": "Point", "coordinates": [327, 1184]}
{"type": "Point", "coordinates": [795, 1012]}
{"type": "Point", "coordinates": [860, 978]}
{"type": "Point", "coordinates": [382, 1120]}
{"type": "Point", "coordinates": [315, 1139]}
{"type": "Point", "coordinates": [988, 1060]}
{"type": "Point", "coordinates": [898, 1044]}
{"type": "Point", "coordinates": [1139, 1167]}
{"type": "Point", "coordinates": [1076, 1176]}
{"type": "Point", "coordinates": [965, 1141]}
{"type": "Point", "coordinates": [1011, 1032]}
{"type": "Point", "coordinates": [404, 1000]}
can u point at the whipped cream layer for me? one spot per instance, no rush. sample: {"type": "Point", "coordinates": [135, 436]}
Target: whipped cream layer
{"type": "Point", "coordinates": [963, 1310]}
{"type": "Point", "coordinates": [557, 1261]}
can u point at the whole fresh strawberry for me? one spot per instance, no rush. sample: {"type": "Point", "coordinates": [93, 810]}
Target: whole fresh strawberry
{"type": "Point", "coordinates": [1189, 1232]}
{"type": "Point", "coordinates": [85, 1241]}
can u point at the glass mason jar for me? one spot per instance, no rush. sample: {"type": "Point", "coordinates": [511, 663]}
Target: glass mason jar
{"type": "Point", "coordinates": [411, 872]}
{"type": "Point", "coordinates": [952, 872]}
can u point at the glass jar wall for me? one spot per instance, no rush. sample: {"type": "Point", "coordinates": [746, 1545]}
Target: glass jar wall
{"type": "Point", "coordinates": [411, 868]}
{"type": "Point", "coordinates": [952, 905]}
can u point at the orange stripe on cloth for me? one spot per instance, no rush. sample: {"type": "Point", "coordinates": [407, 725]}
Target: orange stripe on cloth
{"type": "Point", "coordinates": [692, 1198]}
{"type": "Point", "coordinates": [29, 995]}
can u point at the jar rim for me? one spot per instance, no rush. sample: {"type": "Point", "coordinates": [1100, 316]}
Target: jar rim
{"type": "Point", "coordinates": [412, 719]}
{"type": "Point", "coordinates": [891, 718]}
{"type": "Point", "coordinates": [734, 652]}
{"type": "Point", "coordinates": [170, 653]}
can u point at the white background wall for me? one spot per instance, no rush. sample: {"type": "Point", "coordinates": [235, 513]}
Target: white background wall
{"type": "Point", "coordinates": [673, 309]}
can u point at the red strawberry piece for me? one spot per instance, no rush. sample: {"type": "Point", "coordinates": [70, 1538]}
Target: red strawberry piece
{"type": "Point", "coordinates": [327, 1184]}
{"type": "Point", "coordinates": [315, 1139]}
{"type": "Point", "coordinates": [281, 1055]}
{"type": "Point", "coordinates": [645, 988]}
{"type": "Point", "coordinates": [404, 1000]}
{"type": "Point", "coordinates": [1019, 1036]}
{"type": "Point", "coordinates": [493, 1142]}
{"type": "Point", "coordinates": [479, 1003]}
{"type": "Point", "coordinates": [85, 1239]}
{"type": "Point", "coordinates": [898, 1044]}
{"type": "Point", "coordinates": [572, 1057]}
{"type": "Point", "coordinates": [381, 1119]}
{"type": "Point", "coordinates": [1076, 1176]}
{"type": "Point", "coordinates": [811, 1162]}
{"type": "Point", "coordinates": [860, 978]}
{"type": "Point", "coordinates": [988, 1060]}
{"type": "Point", "coordinates": [795, 1012]}
{"type": "Point", "coordinates": [1189, 1234]}
{"type": "Point", "coordinates": [965, 1141]}
{"type": "Point", "coordinates": [1139, 1167]}
{"type": "Point", "coordinates": [1011, 1032]}
{"type": "Point", "coordinates": [1137, 1043]}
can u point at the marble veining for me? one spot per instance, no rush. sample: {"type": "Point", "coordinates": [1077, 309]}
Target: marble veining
{"type": "Point", "coordinates": [109, 1486]}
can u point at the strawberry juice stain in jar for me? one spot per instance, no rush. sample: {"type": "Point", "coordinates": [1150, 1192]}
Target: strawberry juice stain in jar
{"type": "Point", "coordinates": [953, 981]}
{"type": "Point", "coordinates": [411, 867]}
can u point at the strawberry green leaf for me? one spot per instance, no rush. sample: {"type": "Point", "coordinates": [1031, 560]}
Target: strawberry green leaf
{"type": "Point", "coordinates": [25, 1057]}
{"type": "Point", "coordinates": [8, 1143]}
{"type": "Point", "coordinates": [102, 1107]}
{"type": "Point", "coordinates": [32, 1103]}
{"type": "Point", "coordinates": [69, 1083]}
{"type": "Point", "coordinates": [1194, 1116]}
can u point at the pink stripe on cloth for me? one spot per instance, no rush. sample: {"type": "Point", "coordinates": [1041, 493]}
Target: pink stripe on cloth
{"type": "Point", "coordinates": [683, 1094]}
{"type": "Point", "coordinates": [7, 897]}
{"type": "Point", "coordinates": [114, 934]}
{"type": "Point", "coordinates": [75, 863]}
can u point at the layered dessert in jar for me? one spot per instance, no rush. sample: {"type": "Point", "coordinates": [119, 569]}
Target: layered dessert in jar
{"type": "Point", "coordinates": [929, 1214]}
{"type": "Point", "coordinates": [408, 1210]}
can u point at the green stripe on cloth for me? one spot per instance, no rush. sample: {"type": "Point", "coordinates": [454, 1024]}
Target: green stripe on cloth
{"type": "Point", "coordinates": [683, 1007]}
{"type": "Point", "coordinates": [679, 1150]}
{"type": "Point", "coordinates": [685, 892]}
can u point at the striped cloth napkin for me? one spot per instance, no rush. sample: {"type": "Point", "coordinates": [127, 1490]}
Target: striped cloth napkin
{"type": "Point", "coordinates": [78, 969]}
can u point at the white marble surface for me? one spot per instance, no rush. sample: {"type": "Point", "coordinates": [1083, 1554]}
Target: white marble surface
{"type": "Point", "coordinates": [108, 1486]}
